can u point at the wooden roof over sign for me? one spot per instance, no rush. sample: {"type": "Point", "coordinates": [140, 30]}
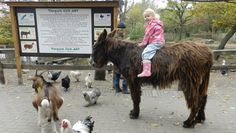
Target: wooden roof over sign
{"type": "Point", "coordinates": [65, 4]}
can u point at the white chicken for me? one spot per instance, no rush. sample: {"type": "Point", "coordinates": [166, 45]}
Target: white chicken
{"type": "Point", "coordinates": [76, 75]}
{"type": "Point", "coordinates": [84, 126]}
{"type": "Point", "coordinates": [88, 80]}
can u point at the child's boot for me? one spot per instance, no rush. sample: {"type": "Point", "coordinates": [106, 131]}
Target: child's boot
{"type": "Point", "coordinates": [146, 69]}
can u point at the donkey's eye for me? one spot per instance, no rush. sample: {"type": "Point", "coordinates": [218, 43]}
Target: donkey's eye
{"type": "Point", "coordinates": [94, 46]}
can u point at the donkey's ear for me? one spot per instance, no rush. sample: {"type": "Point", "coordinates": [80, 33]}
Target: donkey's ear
{"type": "Point", "coordinates": [112, 34]}
{"type": "Point", "coordinates": [103, 35]}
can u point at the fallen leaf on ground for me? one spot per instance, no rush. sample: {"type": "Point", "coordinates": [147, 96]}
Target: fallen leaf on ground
{"type": "Point", "coordinates": [176, 123]}
{"type": "Point", "coordinates": [154, 125]}
{"type": "Point", "coordinates": [68, 105]}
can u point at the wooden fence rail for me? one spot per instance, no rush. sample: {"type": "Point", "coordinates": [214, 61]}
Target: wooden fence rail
{"type": "Point", "coordinates": [54, 67]}
{"type": "Point", "coordinates": [76, 67]}
{"type": "Point", "coordinates": [10, 51]}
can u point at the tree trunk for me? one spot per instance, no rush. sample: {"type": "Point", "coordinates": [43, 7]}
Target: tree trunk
{"type": "Point", "coordinates": [180, 31]}
{"type": "Point", "coordinates": [225, 40]}
{"type": "Point", "coordinates": [2, 79]}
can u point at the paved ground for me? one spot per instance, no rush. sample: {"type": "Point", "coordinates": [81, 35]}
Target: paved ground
{"type": "Point", "coordinates": [161, 111]}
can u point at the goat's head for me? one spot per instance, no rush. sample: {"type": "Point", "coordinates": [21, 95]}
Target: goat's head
{"type": "Point", "coordinates": [38, 81]}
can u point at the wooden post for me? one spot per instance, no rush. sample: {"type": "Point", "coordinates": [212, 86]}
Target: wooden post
{"type": "Point", "coordinates": [101, 74]}
{"type": "Point", "coordinates": [2, 79]}
{"type": "Point", "coordinates": [16, 45]}
{"type": "Point", "coordinates": [116, 11]}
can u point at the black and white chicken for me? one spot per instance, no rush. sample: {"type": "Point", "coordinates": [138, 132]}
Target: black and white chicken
{"type": "Point", "coordinates": [84, 126]}
{"type": "Point", "coordinates": [65, 83]}
{"type": "Point", "coordinates": [76, 75]}
{"type": "Point", "coordinates": [224, 69]}
{"type": "Point", "coordinates": [88, 80]}
{"type": "Point", "coordinates": [53, 75]}
{"type": "Point", "coordinates": [91, 96]}
{"type": "Point", "coordinates": [110, 64]}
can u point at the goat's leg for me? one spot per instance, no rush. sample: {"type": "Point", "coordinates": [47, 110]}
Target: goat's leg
{"type": "Point", "coordinates": [43, 129]}
{"type": "Point", "coordinates": [55, 112]}
{"type": "Point", "coordinates": [34, 103]}
{"type": "Point", "coordinates": [135, 90]}
{"type": "Point", "coordinates": [60, 102]}
{"type": "Point", "coordinates": [39, 116]}
{"type": "Point", "coordinates": [55, 115]}
{"type": "Point", "coordinates": [54, 127]}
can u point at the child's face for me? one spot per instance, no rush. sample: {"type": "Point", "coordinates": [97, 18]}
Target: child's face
{"type": "Point", "coordinates": [148, 17]}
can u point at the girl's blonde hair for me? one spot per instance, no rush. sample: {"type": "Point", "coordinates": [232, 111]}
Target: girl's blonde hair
{"type": "Point", "coordinates": [151, 12]}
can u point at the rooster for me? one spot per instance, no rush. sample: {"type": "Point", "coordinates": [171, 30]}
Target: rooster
{"type": "Point", "coordinates": [85, 126]}
{"type": "Point", "coordinates": [53, 75]}
{"type": "Point", "coordinates": [76, 75]}
{"type": "Point", "coordinates": [91, 96]}
{"type": "Point", "coordinates": [88, 81]}
{"type": "Point", "coordinates": [65, 82]}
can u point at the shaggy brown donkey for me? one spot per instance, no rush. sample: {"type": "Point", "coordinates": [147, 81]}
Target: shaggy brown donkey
{"type": "Point", "coordinates": [189, 63]}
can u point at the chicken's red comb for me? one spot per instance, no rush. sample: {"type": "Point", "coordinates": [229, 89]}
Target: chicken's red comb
{"type": "Point", "coordinates": [64, 124]}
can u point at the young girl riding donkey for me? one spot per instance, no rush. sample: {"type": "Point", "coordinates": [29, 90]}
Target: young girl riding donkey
{"type": "Point", "coordinates": [153, 40]}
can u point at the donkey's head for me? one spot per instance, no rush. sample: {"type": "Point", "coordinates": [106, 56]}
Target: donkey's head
{"type": "Point", "coordinates": [99, 55]}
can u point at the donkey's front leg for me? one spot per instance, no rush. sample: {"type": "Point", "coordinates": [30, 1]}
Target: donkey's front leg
{"type": "Point", "coordinates": [135, 90]}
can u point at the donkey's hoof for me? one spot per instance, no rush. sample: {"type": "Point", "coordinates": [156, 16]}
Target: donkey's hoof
{"type": "Point", "coordinates": [188, 124]}
{"type": "Point", "coordinates": [200, 118]}
{"type": "Point", "coordinates": [49, 120]}
{"type": "Point", "coordinates": [133, 114]}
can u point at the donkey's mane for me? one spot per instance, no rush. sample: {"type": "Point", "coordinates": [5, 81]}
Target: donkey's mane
{"type": "Point", "coordinates": [114, 43]}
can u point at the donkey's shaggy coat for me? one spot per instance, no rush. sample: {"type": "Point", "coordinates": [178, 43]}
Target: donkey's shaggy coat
{"type": "Point", "coordinates": [189, 63]}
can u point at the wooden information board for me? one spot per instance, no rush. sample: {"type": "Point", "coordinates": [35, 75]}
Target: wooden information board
{"type": "Point", "coordinates": [59, 29]}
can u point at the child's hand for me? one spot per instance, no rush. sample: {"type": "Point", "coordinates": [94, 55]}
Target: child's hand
{"type": "Point", "coordinates": [141, 45]}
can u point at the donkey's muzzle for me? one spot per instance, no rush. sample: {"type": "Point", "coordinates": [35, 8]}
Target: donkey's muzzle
{"type": "Point", "coordinates": [93, 64]}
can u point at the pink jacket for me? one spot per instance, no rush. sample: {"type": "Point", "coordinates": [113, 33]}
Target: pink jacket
{"type": "Point", "coordinates": [154, 33]}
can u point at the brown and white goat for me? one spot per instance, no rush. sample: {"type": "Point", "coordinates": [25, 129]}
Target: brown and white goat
{"type": "Point", "coordinates": [47, 102]}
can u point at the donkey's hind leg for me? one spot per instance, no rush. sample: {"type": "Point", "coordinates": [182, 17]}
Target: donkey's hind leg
{"type": "Point", "coordinates": [190, 122]}
{"type": "Point", "coordinates": [192, 103]}
{"type": "Point", "coordinates": [201, 113]}
{"type": "Point", "coordinates": [203, 98]}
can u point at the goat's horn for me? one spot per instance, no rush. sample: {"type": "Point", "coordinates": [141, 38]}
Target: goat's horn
{"type": "Point", "coordinates": [36, 73]}
{"type": "Point", "coordinates": [43, 72]}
